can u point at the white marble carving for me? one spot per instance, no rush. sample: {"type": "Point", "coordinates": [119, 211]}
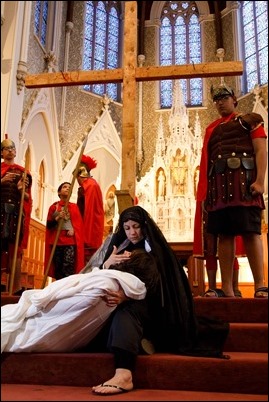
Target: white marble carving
{"type": "Point", "coordinates": [171, 201]}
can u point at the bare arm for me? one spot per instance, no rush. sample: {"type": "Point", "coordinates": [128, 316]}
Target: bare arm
{"type": "Point", "coordinates": [259, 145]}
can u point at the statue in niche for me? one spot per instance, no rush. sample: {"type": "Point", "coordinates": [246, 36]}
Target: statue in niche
{"type": "Point", "coordinates": [179, 171]}
{"type": "Point", "coordinates": [160, 216]}
{"type": "Point", "coordinates": [196, 178]}
{"type": "Point", "coordinates": [161, 184]}
{"type": "Point", "coordinates": [109, 208]}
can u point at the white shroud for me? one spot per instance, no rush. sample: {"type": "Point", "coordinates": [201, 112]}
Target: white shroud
{"type": "Point", "coordinates": [66, 314]}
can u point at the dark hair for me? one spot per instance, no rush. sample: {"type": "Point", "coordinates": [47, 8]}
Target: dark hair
{"type": "Point", "coordinates": [143, 265]}
{"type": "Point", "coordinates": [136, 214]}
{"type": "Point", "coordinates": [61, 185]}
{"type": "Point", "coordinates": [133, 213]}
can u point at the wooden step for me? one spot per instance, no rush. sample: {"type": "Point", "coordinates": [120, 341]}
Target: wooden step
{"type": "Point", "coordinates": [40, 392]}
{"type": "Point", "coordinates": [233, 309]}
{"type": "Point", "coordinates": [242, 373]}
{"type": "Point", "coordinates": [247, 337]}
{"type": "Point", "coordinates": [6, 298]}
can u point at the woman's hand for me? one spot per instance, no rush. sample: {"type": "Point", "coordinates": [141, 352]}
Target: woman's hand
{"type": "Point", "coordinates": [112, 299]}
{"type": "Point", "coordinates": [115, 258]}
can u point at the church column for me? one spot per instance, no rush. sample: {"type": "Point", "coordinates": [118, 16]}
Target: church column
{"type": "Point", "coordinates": [234, 7]}
{"type": "Point", "coordinates": [68, 29]}
{"type": "Point", "coordinates": [22, 64]}
{"type": "Point", "coordinates": [15, 20]}
{"type": "Point", "coordinates": [141, 61]}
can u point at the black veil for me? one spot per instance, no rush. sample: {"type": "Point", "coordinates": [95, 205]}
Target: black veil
{"type": "Point", "coordinates": [176, 328]}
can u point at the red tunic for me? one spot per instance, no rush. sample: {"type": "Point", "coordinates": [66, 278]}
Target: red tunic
{"type": "Point", "coordinates": [198, 244]}
{"type": "Point", "coordinates": [27, 206]}
{"type": "Point", "coordinates": [64, 240]}
{"type": "Point", "coordinates": [93, 214]}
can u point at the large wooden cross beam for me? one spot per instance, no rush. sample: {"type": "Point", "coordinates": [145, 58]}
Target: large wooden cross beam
{"type": "Point", "coordinates": [129, 75]}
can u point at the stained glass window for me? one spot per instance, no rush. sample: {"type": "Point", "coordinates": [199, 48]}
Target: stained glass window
{"type": "Point", "coordinates": [41, 21]}
{"type": "Point", "coordinates": [254, 17]}
{"type": "Point", "coordinates": [101, 43]}
{"type": "Point", "coordinates": [180, 43]}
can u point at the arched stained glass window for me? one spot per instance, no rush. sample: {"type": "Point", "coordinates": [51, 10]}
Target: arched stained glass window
{"type": "Point", "coordinates": [180, 43]}
{"type": "Point", "coordinates": [41, 21]}
{"type": "Point", "coordinates": [254, 18]}
{"type": "Point", "coordinates": [101, 43]}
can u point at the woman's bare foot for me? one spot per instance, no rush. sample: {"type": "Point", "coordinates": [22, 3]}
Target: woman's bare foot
{"type": "Point", "coordinates": [121, 382]}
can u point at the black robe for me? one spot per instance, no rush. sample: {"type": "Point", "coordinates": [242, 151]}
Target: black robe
{"type": "Point", "coordinates": [175, 327]}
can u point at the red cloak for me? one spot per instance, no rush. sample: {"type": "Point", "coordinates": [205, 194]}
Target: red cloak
{"type": "Point", "coordinates": [77, 239]}
{"type": "Point", "coordinates": [93, 218]}
{"type": "Point", "coordinates": [27, 205]}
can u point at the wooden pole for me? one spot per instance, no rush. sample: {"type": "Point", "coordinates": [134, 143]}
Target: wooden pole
{"type": "Point", "coordinates": [14, 260]}
{"type": "Point", "coordinates": [142, 74]}
{"type": "Point", "coordinates": [60, 222]}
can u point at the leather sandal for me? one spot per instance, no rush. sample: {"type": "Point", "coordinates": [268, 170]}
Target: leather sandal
{"type": "Point", "coordinates": [214, 293]}
{"type": "Point", "coordinates": [261, 293]}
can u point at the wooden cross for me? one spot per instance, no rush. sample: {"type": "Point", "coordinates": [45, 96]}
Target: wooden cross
{"type": "Point", "coordinates": [129, 75]}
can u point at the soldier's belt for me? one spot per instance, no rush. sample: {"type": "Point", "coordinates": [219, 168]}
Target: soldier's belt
{"type": "Point", "coordinates": [220, 165]}
{"type": "Point", "coordinates": [9, 208]}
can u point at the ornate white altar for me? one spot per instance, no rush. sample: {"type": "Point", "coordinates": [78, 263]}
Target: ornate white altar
{"type": "Point", "coordinates": [167, 191]}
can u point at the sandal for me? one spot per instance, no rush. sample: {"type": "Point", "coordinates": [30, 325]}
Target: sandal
{"type": "Point", "coordinates": [261, 293]}
{"type": "Point", "coordinates": [237, 293]}
{"type": "Point", "coordinates": [147, 346]}
{"type": "Point", "coordinates": [214, 293]}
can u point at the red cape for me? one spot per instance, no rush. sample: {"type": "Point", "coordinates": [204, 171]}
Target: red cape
{"type": "Point", "coordinates": [198, 241]}
{"type": "Point", "coordinates": [93, 218]}
{"type": "Point", "coordinates": [27, 206]}
{"type": "Point", "coordinates": [50, 234]}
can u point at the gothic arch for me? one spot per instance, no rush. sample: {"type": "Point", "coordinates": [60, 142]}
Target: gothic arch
{"type": "Point", "coordinates": [157, 7]}
{"type": "Point", "coordinates": [104, 145]}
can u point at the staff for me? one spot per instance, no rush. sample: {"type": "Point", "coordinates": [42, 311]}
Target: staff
{"type": "Point", "coordinates": [60, 222]}
{"type": "Point", "coordinates": [12, 273]}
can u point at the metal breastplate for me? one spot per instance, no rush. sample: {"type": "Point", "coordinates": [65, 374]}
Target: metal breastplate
{"type": "Point", "coordinates": [230, 139]}
{"type": "Point", "coordinates": [9, 191]}
{"type": "Point", "coordinates": [231, 155]}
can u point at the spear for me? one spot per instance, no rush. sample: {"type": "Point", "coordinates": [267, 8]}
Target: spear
{"type": "Point", "coordinates": [14, 260]}
{"type": "Point", "coordinates": [60, 222]}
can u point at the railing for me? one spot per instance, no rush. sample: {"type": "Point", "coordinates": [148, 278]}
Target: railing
{"type": "Point", "coordinates": [33, 256]}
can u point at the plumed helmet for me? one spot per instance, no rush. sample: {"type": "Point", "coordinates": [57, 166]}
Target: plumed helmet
{"type": "Point", "coordinates": [86, 165]}
{"type": "Point", "coordinates": [7, 143]}
{"type": "Point", "coordinates": [221, 91]}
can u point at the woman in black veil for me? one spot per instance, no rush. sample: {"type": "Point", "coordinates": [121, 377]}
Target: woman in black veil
{"type": "Point", "coordinates": [166, 316]}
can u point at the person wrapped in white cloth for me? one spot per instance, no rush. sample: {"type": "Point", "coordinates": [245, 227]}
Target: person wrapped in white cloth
{"type": "Point", "coordinates": [68, 313]}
